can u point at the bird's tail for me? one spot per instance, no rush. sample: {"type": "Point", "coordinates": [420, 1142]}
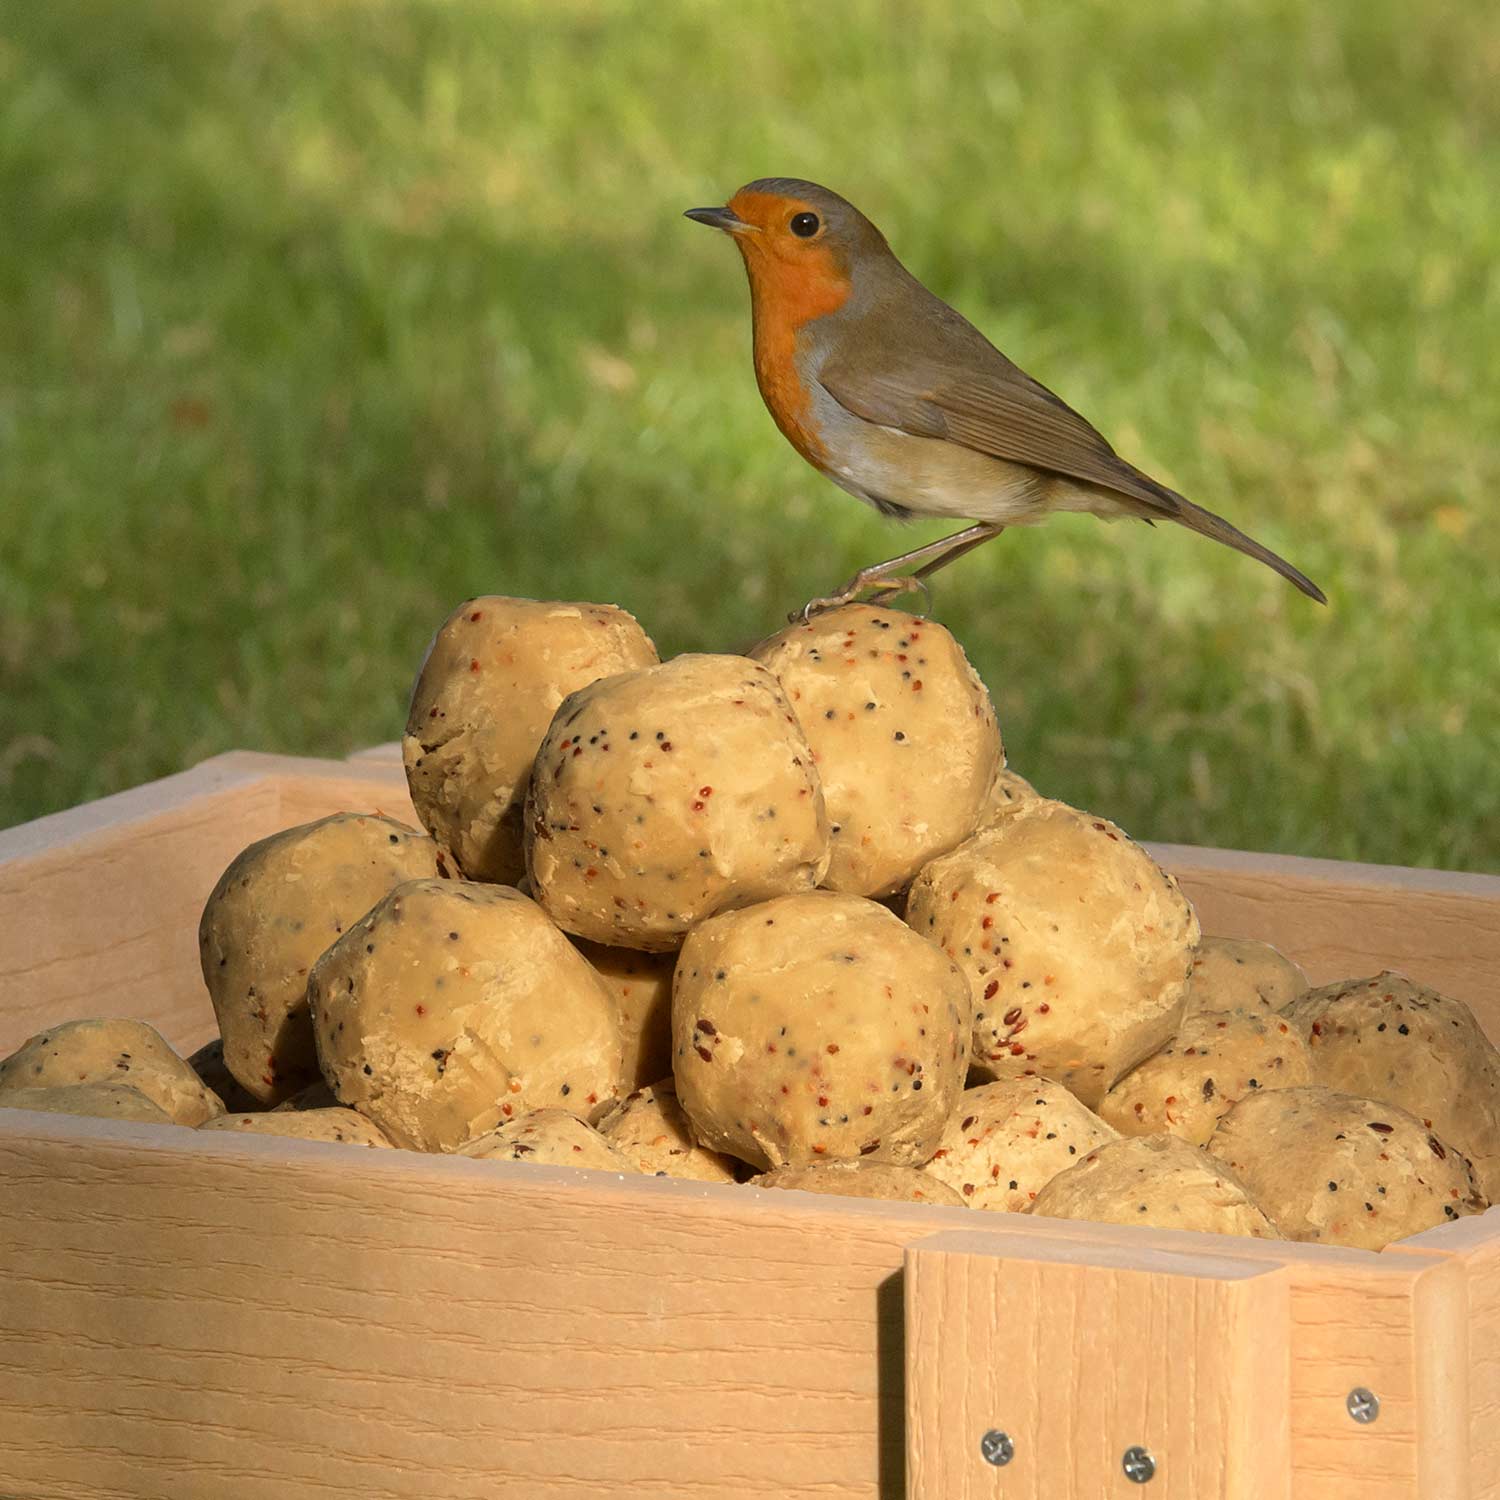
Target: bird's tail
{"type": "Point", "coordinates": [1195, 518]}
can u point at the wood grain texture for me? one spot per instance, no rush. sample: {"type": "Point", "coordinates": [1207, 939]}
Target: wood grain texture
{"type": "Point", "coordinates": [188, 1316]}
{"type": "Point", "coordinates": [100, 902]}
{"type": "Point", "coordinates": [1394, 1326]}
{"type": "Point", "coordinates": [100, 905]}
{"type": "Point", "coordinates": [1231, 1367]}
{"type": "Point", "coordinates": [295, 1319]}
{"type": "Point", "coordinates": [1341, 920]}
{"type": "Point", "coordinates": [1474, 1244]}
{"type": "Point", "coordinates": [386, 754]}
{"type": "Point", "coordinates": [312, 1321]}
{"type": "Point", "coordinates": [1149, 1348]}
{"type": "Point", "coordinates": [301, 1323]}
{"type": "Point", "coordinates": [313, 789]}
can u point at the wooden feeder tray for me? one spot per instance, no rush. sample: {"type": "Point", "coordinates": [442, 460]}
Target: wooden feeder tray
{"type": "Point", "coordinates": [207, 1316]}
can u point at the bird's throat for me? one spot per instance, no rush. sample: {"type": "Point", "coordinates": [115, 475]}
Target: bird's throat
{"type": "Point", "coordinates": [785, 299]}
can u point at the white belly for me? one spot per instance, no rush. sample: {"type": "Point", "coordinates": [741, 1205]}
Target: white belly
{"type": "Point", "coordinates": [937, 478]}
{"type": "Point", "coordinates": [929, 476]}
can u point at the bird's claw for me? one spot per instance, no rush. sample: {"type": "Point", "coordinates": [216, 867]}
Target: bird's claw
{"type": "Point", "coordinates": [882, 588]}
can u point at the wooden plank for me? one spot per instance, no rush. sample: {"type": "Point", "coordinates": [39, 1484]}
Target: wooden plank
{"type": "Point", "coordinates": [184, 1311]}
{"type": "Point", "coordinates": [387, 754]}
{"type": "Point", "coordinates": [1393, 1326]}
{"type": "Point", "coordinates": [314, 788]}
{"type": "Point", "coordinates": [1473, 1391]}
{"type": "Point", "coordinates": [1443, 1344]}
{"type": "Point", "coordinates": [102, 924]}
{"type": "Point", "coordinates": [101, 904]}
{"type": "Point", "coordinates": [1341, 920]}
{"type": "Point", "coordinates": [1233, 1372]}
{"type": "Point", "coordinates": [1078, 1356]}
{"type": "Point", "coordinates": [287, 1291]}
{"type": "Point", "coordinates": [298, 1319]}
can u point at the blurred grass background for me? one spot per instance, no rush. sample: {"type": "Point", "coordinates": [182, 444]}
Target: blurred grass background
{"type": "Point", "coordinates": [317, 317]}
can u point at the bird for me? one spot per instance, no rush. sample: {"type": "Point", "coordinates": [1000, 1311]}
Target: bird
{"type": "Point", "coordinates": [897, 398]}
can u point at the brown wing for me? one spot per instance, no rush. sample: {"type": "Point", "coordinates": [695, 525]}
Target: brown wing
{"type": "Point", "coordinates": [999, 410]}
{"type": "Point", "coordinates": [946, 380]}
{"type": "Point", "coordinates": [996, 408]}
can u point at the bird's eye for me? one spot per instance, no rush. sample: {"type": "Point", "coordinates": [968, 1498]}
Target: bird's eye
{"type": "Point", "coordinates": [804, 226]}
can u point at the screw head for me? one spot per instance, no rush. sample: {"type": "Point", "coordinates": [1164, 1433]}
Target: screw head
{"type": "Point", "coordinates": [1363, 1405]}
{"type": "Point", "coordinates": [1138, 1465]}
{"type": "Point", "coordinates": [997, 1447]}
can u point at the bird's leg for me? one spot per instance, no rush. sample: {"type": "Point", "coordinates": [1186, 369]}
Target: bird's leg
{"type": "Point", "coordinates": [954, 553]}
{"type": "Point", "coordinates": [888, 578]}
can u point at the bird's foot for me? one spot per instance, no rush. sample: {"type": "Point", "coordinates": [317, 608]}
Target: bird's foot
{"type": "Point", "coordinates": [867, 581]}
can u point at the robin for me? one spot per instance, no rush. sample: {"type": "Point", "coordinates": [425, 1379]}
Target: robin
{"type": "Point", "coordinates": [900, 400]}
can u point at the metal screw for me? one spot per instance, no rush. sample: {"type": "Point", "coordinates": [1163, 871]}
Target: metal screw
{"type": "Point", "coordinates": [1138, 1465]}
{"type": "Point", "coordinates": [997, 1447]}
{"type": "Point", "coordinates": [1363, 1405]}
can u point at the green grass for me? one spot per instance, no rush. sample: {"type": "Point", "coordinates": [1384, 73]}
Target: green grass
{"type": "Point", "coordinates": [317, 317]}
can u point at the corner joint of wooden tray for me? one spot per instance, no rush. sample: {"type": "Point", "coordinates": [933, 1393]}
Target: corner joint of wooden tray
{"type": "Point", "coordinates": [1082, 1351]}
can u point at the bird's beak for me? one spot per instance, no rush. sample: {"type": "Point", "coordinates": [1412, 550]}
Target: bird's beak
{"type": "Point", "coordinates": [721, 218]}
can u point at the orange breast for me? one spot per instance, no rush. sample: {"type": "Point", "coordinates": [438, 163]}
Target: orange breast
{"type": "Point", "coordinates": [784, 298]}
